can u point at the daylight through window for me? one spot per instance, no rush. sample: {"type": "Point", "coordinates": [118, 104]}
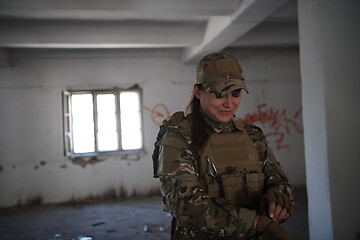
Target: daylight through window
{"type": "Point", "coordinates": [102, 121]}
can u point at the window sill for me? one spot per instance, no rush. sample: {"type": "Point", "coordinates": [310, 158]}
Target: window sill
{"type": "Point", "coordinates": [91, 158]}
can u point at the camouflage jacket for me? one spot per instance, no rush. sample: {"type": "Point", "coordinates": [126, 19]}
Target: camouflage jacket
{"type": "Point", "coordinates": [182, 189]}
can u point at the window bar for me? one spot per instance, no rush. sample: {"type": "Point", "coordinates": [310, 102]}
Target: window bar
{"type": "Point", "coordinates": [95, 116]}
{"type": "Point", "coordinates": [118, 114]}
{"type": "Point", "coordinates": [71, 133]}
{"type": "Point", "coordinates": [66, 124]}
{"type": "Point", "coordinates": [141, 117]}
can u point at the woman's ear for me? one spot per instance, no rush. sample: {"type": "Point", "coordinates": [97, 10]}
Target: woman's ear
{"type": "Point", "coordinates": [197, 91]}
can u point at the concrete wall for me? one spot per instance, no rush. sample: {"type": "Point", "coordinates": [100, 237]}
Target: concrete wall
{"type": "Point", "coordinates": [32, 164]}
{"type": "Point", "coordinates": [329, 46]}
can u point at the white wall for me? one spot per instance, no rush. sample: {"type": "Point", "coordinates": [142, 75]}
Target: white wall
{"type": "Point", "coordinates": [32, 164]}
{"type": "Point", "coordinates": [274, 103]}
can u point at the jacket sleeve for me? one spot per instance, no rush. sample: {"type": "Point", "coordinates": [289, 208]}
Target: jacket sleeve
{"type": "Point", "coordinates": [185, 197]}
{"type": "Point", "coordinates": [275, 178]}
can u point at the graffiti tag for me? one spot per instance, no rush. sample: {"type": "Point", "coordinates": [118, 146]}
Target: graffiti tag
{"type": "Point", "coordinates": [277, 123]}
{"type": "Point", "coordinates": [158, 113]}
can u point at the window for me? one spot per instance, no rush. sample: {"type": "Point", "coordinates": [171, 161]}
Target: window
{"type": "Point", "coordinates": [102, 122]}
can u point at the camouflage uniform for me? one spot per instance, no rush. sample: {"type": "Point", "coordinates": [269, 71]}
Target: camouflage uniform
{"type": "Point", "coordinates": [197, 214]}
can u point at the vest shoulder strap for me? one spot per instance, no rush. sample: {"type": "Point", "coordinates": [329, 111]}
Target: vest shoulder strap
{"type": "Point", "coordinates": [258, 138]}
{"type": "Point", "coordinates": [255, 133]}
{"type": "Point", "coordinates": [175, 120]}
{"type": "Point", "coordinates": [176, 123]}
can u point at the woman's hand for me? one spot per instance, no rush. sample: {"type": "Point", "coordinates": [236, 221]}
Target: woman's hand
{"type": "Point", "coordinates": [277, 212]}
{"type": "Point", "coordinates": [276, 205]}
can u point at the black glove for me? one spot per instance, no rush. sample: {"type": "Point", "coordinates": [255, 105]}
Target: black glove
{"type": "Point", "coordinates": [273, 195]}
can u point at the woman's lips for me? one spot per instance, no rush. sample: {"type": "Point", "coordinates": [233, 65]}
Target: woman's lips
{"type": "Point", "coordinates": [226, 112]}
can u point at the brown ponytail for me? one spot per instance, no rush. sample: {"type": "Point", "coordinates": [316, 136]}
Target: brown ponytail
{"type": "Point", "coordinates": [200, 130]}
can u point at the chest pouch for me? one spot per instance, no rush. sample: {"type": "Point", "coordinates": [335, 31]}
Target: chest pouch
{"type": "Point", "coordinates": [230, 169]}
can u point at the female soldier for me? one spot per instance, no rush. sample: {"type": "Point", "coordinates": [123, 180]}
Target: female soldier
{"type": "Point", "coordinates": [219, 179]}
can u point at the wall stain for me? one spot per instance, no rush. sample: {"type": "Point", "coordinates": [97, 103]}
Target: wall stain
{"type": "Point", "coordinates": [177, 83]}
{"type": "Point", "coordinates": [1, 169]}
{"type": "Point", "coordinates": [135, 194]}
{"type": "Point", "coordinates": [108, 195]}
{"type": "Point", "coordinates": [111, 194]}
{"type": "Point", "coordinates": [38, 200]}
{"type": "Point", "coordinates": [122, 192]}
{"type": "Point", "coordinates": [42, 163]}
{"type": "Point", "coordinates": [33, 201]}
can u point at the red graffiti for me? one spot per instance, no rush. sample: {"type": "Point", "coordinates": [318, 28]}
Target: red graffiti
{"type": "Point", "coordinates": [276, 122]}
{"type": "Point", "coordinates": [158, 113]}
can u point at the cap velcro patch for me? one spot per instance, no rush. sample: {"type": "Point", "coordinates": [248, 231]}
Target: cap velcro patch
{"type": "Point", "coordinates": [226, 65]}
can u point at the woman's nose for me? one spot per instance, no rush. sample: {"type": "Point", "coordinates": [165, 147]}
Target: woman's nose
{"type": "Point", "coordinates": [227, 100]}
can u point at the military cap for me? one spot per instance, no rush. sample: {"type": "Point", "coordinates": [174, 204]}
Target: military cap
{"type": "Point", "coordinates": [220, 74]}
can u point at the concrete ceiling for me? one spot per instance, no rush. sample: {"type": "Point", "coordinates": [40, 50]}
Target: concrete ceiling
{"type": "Point", "coordinates": [197, 27]}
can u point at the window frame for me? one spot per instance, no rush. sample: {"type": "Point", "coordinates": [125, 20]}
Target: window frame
{"type": "Point", "coordinates": [68, 127]}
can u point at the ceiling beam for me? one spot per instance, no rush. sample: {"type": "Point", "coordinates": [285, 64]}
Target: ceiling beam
{"type": "Point", "coordinates": [79, 34]}
{"type": "Point", "coordinates": [222, 31]}
{"type": "Point", "coordinates": [270, 33]}
{"type": "Point", "coordinates": [117, 10]}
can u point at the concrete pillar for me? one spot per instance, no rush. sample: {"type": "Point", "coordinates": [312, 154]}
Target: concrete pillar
{"type": "Point", "coordinates": [329, 32]}
{"type": "Point", "coordinates": [4, 58]}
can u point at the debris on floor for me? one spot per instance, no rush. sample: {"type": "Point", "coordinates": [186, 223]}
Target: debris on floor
{"type": "Point", "coordinates": [153, 227]}
{"type": "Point", "coordinates": [98, 224]}
{"type": "Point", "coordinates": [83, 238]}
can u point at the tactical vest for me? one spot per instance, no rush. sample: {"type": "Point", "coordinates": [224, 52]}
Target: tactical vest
{"type": "Point", "coordinates": [230, 168]}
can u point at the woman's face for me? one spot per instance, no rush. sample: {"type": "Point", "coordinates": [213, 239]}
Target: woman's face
{"type": "Point", "coordinates": [218, 109]}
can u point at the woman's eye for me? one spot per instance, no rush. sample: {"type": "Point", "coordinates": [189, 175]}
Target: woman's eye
{"type": "Point", "coordinates": [236, 93]}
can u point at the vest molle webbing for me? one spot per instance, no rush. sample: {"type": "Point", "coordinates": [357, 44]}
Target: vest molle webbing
{"type": "Point", "coordinates": [230, 168]}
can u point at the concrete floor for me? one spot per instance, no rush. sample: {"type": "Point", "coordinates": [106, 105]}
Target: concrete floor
{"type": "Point", "coordinates": [127, 219]}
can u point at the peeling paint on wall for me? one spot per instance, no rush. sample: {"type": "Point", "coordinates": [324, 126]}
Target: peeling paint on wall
{"type": "Point", "coordinates": [132, 156]}
{"type": "Point", "coordinates": [83, 161]}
